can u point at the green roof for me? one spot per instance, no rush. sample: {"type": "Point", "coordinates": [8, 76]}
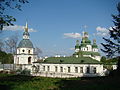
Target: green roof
{"type": "Point", "coordinates": [77, 47]}
{"type": "Point", "coordinates": [25, 43]}
{"type": "Point", "coordinates": [71, 60]}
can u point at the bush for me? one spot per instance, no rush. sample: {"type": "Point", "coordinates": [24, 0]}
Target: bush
{"type": "Point", "coordinates": [26, 72]}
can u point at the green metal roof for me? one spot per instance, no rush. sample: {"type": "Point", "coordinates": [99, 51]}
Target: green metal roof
{"type": "Point", "coordinates": [71, 60]}
{"type": "Point", "coordinates": [25, 43]}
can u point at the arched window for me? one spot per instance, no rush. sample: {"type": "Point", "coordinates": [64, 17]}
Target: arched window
{"type": "Point", "coordinates": [94, 70]}
{"type": "Point", "coordinates": [56, 69]}
{"type": "Point", "coordinates": [28, 51]}
{"type": "Point", "coordinates": [61, 69]}
{"type": "Point", "coordinates": [88, 70]}
{"type": "Point", "coordinates": [29, 60]}
{"type": "Point", "coordinates": [18, 61]}
{"type": "Point", "coordinates": [76, 69]}
{"type": "Point", "coordinates": [68, 69]}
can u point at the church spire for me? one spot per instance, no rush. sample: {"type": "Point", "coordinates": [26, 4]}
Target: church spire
{"type": "Point", "coordinates": [26, 27]}
{"type": "Point", "coordinates": [26, 33]}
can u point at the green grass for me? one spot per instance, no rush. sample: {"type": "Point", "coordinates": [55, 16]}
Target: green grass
{"type": "Point", "coordinates": [18, 82]}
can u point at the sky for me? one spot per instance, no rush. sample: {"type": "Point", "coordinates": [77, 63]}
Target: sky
{"type": "Point", "coordinates": [55, 25]}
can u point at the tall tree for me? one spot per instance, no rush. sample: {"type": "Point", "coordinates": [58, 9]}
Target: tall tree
{"type": "Point", "coordinates": [1, 45]}
{"type": "Point", "coordinates": [38, 51]}
{"type": "Point", "coordinates": [11, 44]}
{"type": "Point", "coordinates": [5, 19]}
{"type": "Point", "coordinates": [112, 45]}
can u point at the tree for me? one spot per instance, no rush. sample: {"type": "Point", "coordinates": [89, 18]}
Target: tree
{"type": "Point", "coordinates": [112, 46]}
{"type": "Point", "coordinates": [11, 44]}
{"type": "Point", "coordinates": [103, 59]}
{"type": "Point", "coordinates": [6, 58]}
{"type": "Point", "coordinates": [38, 51]}
{"type": "Point", "coordinates": [5, 19]}
{"type": "Point", "coordinates": [1, 45]}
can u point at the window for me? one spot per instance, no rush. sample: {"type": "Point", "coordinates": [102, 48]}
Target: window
{"type": "Point", "coordinates": [18, 61]}
{"type": "Point", "coordinates": [23, 50]}
{"type": "Point", "coordinates": [87, 49]}
{"type": "Point", "coordinates": [48, 68]}
{"type": "Point", "coordinates": [94, 70]}
{"type": "Point", "coordinates": [29, 60]}
{"type": "Point", "coordinates": [81, 69]}
{"type": "Point", "coordinates": [43, 68]}
{"type": "Point", "coordinates": [88, 70]}
{"type": "Point", "coordinates": [29, 51]}
{"type": "Point", "coordinates": [56, 68]}
{"type": "Point", "coordinates": [61, 69]}
{"type": "Point", "coordinates": [68, 69]}
{"type": "Point", "coordinates": [76, 69]}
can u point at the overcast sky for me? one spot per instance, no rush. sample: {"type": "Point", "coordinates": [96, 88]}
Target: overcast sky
{"type": "Point", "coordinates": [55, 25]}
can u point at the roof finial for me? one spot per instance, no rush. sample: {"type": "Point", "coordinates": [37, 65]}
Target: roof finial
{"type": "Point", "coordinates": [84, 31]}
{"type": "Point", "coordinates": [26, 27]}
{"type": "Point", "coordinates": [94, 41]}
{"type": "Point", "coordinates": [85, 26]}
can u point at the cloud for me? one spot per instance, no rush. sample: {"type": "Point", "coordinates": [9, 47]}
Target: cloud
{"type": "Point", "coordinates": [72, 48]}
{"type": "Point", "coordinates": [101, 31]}
{"type": "Point", "coordinates": [16, 28]}
{"type": "Point", "coordinates": [72, 35]}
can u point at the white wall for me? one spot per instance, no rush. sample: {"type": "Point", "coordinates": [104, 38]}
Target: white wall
{"type": "Point", "coordinates": [26, 50]}
{"type": "Point", "coordinates": [99, 69]}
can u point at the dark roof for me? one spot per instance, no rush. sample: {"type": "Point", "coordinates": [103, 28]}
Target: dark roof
{"type": "Point", "coordinates": [25, 43]}
{"type": "Point", "coordinates": [71, 60]}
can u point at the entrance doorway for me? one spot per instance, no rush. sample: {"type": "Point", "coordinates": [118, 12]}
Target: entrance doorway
{"type": "Point", "coordinates": [29, 60]}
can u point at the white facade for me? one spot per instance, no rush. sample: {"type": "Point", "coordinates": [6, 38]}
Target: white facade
{"type": "Point", "coordinates": [67, 70]}
{"type": "Point", "coordinates": [25, 53]}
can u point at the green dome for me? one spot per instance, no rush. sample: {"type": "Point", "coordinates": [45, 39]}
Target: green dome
{"type": "Point", "coordinates": [86, 40]}
{"type": "Point", "coordinates": [25, 43]}
{"type": "Point", "coordinates": [83, 45]}
{"type": "Point", "coordinates": [94, 46]}
{"type": "Point", "coordinates": [76, 47]}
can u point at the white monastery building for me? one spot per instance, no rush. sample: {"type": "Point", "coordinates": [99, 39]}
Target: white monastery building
{"type": "Point", "coordinates": [85, 62]}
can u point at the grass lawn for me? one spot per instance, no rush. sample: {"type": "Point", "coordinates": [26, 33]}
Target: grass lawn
{"type": "Point", "coordinates": [18, 82]}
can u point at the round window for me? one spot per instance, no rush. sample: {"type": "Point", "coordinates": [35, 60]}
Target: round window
{"type": "Point", "coordinates": [23, 50]}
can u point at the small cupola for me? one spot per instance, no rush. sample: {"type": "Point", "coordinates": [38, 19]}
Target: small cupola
{"type": "Point", "coordinates": [26, 33]}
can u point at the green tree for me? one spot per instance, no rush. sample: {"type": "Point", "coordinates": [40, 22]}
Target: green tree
{"type": "Point", "coordinates": [112, 45]}
{"type": "Point", "coordinates": [5, 19]}
{"type": "Point", "coordinates": [6, 58]}
{"type": "Point", "coordinates": [103, 59]}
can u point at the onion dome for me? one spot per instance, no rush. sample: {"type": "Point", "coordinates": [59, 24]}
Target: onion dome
{"type": "Point", "coordinates": [85, 40]}
{"type": "Point", "coordinates": [77, 45]}
{"type": "Point", "coordinates": [94, 44]}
